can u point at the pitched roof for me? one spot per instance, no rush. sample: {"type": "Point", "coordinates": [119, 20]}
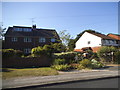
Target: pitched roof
{"type": "Point", "coordinates": [38, 32]}
{"type": "Point", "coordinates": [115, 36]}
{"type": "Point", "coordinates": [101, 35]}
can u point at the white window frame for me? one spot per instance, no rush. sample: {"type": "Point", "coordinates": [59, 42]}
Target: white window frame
{"type": "Point", "coordinates": [27, 39]}
{"type": "Point", "coordinates": [42, 39]}
{"type": "Point", "coordinates": [53, 39]}
{"type": "Point", "coordinates": [14, 39]}
{"type": "Point", "coordinates": [27, 50]}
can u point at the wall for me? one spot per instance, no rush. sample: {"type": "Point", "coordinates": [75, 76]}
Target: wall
{"type": "Point", "coordinates": [83, 41]}
{"type": "Point", "coordinates": [17, 62]}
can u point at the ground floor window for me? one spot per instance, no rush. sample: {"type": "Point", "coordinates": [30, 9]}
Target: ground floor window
{"type": "Point", "coordinates": [27, 50]}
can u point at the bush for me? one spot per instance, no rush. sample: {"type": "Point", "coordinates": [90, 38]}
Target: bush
{"type": "Point", "coordinates": [77, 66]}
{"type": "Point", "coordinates": [86, 63]}
{"type": "Point", "coordinates": [105, 53]}
{"type": "Point", "coordinates": [18, 53]}
{"type": "Point", "coordinates": [96, 64]}
{"type": "Point", "coordinates": [38, 51]}
{"type": "Point", "coordinates": [61, 67]}
{"type": "Point", "coordinates": [68, 56]}
{"type": "Point", "coordinates": [59, 61]}
{"type": "Point", "coordinates": [117, 57]}
{"type": "Point", "coordinates": [6, 53]}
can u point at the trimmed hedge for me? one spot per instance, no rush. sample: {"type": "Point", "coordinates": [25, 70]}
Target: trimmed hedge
{"type": "Point", "coordinates": [7, 53]}
{"type": "Point", "coordinates": [68, 56]}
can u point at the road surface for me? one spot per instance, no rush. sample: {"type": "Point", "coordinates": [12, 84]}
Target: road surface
{"type": "Point", "coordinates": [96, 83]}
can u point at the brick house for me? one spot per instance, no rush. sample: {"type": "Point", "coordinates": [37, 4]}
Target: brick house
{"type": "Point", "coordinates": [26, 38]}
{"type": "Point", "coordinates": [94, 41]}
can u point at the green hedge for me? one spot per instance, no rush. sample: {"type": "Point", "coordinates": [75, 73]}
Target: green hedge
{"type": "Point", "coordinates": [68, 56]}
{"type": "Point", "coordinates": [6, 53]}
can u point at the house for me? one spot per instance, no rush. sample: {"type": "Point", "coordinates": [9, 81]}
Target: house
{"type": "Point", "coordinates": [25, 38]}
{"type": "Point", "coordinates": [94, 41]}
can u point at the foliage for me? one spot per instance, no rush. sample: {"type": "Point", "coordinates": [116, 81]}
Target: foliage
{"type": "Point", "coordinates": [2, 32]}
{"type": "Point", "coordinates": [117, 57]}
{"type": "Point", "coordinates": [93, 64]}
{"type": "Point", "coordinates": [59, 61]}
{"type": "Point", "coordinates": [7, 53]}
{"type": "Point", "coordinates": [68, 56]}
{"type": "Point", "coordinates": [65, 37]}
{"type": "Point", "coordinates": [86, 63]}
{"type": "Point", "coordinates": [71, 44]}
{"type": "Point", "coordinates": [105, 53]}
{"type": "Point", "coordinates": [61, 67]}
{"type": "Point", "coordinates": [77, 66]}
{"type": "Point", "coordinates": [37, 51]}
{"type": "Point", "coordinates": [18, 53]}
{"type": "Point", "coordinates": [58, 47]}
{"type": "Point", "coordinates": [96, 64]}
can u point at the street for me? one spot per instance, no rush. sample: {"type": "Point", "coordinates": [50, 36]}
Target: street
{"type": "Point", "coordinates": [100, 83]}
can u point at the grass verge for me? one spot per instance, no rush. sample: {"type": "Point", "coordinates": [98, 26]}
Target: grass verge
{"type": "Point", "coordinates": [12, 73]}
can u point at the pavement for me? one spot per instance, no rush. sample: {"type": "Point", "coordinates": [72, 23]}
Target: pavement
{"type": "Point", "coordinates": [62, 77]}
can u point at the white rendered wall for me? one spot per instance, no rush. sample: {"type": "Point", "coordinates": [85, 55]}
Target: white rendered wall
{"type": "Point", "coordinates": [85, 38]}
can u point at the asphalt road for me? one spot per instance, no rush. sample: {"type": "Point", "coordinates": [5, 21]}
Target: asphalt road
{"type": "Point", "coordinates": [95, 83]}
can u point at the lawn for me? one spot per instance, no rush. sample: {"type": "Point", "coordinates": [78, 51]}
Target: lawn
{"type": "Point", "coordinates": [11, 73]}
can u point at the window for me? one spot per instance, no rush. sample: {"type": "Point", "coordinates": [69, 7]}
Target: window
{"type": "Point", "coordinates": [18, 29]}
{"type": "Point", "coordinates": [27, 29]}
{"type": "Point", "coordinates": [52, 39]}
{"type": "Point", "coordinates": [27, 39]}
{"type": "Point", "coordinates": [27, 50]}
{"type": "Point", "coordinates": [14, 39]}
{"type": "Point", "coordinates": [88, 42]}
{"type": "Point", "coordinates": [41, 39]}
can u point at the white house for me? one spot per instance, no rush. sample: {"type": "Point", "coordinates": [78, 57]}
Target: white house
{"type": "Point", "coordinates": [95, 41]}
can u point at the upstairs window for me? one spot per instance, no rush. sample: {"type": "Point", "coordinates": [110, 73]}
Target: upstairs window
{"type": "Point", "coordinates": [52, 39]}
{"type": "Point", "coordinates": [17, 29]}
{"type": "Point", "coordinates": [42, 39]}
{"type": "Point", "coordinates": [27, 39]}
{"type": "Point", "coordinates": [88, 42]}
{"type": "Point", "coordinates": [27, 29]}
{"type": "Point", "coordinates": [23, 29]}
{"type": "Point", "coordinates": [14, 39]}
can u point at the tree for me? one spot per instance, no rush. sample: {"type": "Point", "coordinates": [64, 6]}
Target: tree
{"type": "Point", "coordinates": [106, 53]}
{"type": "Point", "coordinates": [65, 37]}
{"type": "Point", "coordinates": [71, 44]}
{"type": "Point", "coordinates": [2, 32]}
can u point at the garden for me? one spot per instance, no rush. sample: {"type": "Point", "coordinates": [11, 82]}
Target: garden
{"type": "Point", "coordinates": [60, 60]}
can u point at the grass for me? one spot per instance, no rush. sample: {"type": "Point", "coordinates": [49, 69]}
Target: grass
{"type": "Point", "coordinates": [12, 73]}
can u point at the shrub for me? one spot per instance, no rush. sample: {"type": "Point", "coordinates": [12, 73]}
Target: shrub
{"type": "Point", "coordinates": [96, 64]}
{"type": "Point", "coordinates": [58, 61]}
{"type": "Point", "coordinates": [105, 53]}
{"type": "Point", "coordinates": [6, 53]}
{"type": "Point", "coordinates": [38, 51]}
{"type": "Point", "coordinates": [18, 53]}
{"type": "Point", "coordinates": [77, 66]}
{"type": "Point", "coordinates": [86, 63]}
{"type": "Point", "coordinates": [117, 57]}
{"type": "Point", "coordinates": [68, 56]}
{"type": "Point", "coordinates": [61, 67]}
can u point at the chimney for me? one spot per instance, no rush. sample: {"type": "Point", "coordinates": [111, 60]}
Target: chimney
{"type": "Point", "coordinates": [34, 26]}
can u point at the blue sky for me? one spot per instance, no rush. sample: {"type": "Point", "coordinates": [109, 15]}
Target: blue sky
{"type": "Point", "coordinates": [74, 17]}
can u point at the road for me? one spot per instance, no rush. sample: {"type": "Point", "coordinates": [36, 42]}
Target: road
{"type": "Point", "coordinates": [95, 83]}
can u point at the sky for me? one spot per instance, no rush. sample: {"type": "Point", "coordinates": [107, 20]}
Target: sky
{"type": "Point", "coordinates": [74, 17]}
